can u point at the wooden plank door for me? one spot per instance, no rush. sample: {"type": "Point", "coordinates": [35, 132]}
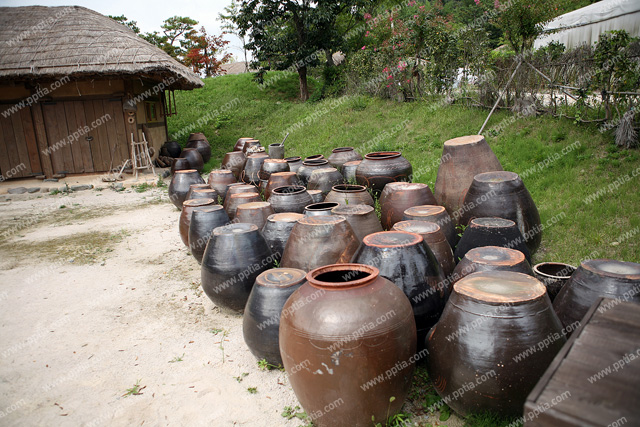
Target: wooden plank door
{"type": "Point", "coordinates": [16, 145]}
{"type": "Point", "coordinates": [59, 147]}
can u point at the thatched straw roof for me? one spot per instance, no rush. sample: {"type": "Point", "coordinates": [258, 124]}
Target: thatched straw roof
{"type": "Point", "coordinates": [38, 42]}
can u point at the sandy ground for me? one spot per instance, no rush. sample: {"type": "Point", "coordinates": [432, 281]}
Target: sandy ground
{"type": "Point", "coordinates": [100, 295]}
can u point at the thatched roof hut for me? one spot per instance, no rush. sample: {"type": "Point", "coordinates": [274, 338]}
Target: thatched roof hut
{"type": "Point", "coordinates": [61, 68]}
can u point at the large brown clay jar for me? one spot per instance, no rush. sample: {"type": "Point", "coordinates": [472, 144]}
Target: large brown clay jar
{"type": "Point", "coordinates": [491, 258]}
{"type": "Point", "coordinates": [291, 198]}
{"type": "Point", "coordinates": [219, 180]}
{"type": "Point", "coordinates": [251, 171]}
{"type": "Point", "coordinates": [194, 187]}
{"type": "Point", "coordinates": [462, 159]}
{"type": "Point", "coordinates": [203, 147]}
{"type": "Point", "coordinates": [341, 155]}
{"type": "Point", "coordinates": [490, 319]}
{"type": "Point", "coordinates": [308, 166]}
{"type": "Point", "coordinates": [380, 168]}
{"type": "Point", "coordinates": [238, 188]}
{"type": "Point", "coordinates": [349, 194]}
{"type": "Point", "coordinates": [180, 183]}
{"type": "Point", "coordinates": [240, 143]}
{"type": "Point", "coordinates": [203, 221]}
{"type": "Point", "coordinates": [324, 179]}
{"type": "Point", "coordinates": [294, 163]}
{"type": "Point", "coordinates": [232, 202]}
{"type": "Point", "coordinates": [324, 333]}
{"type": "Point", "coordinates": [280, 179]}
{"type": "Point", "coordinates": [180, 164]}
{"type": "Point", "coordinates": [204, 193]}
{"type": "Point", "coordinates": [194, 158]}
{"type": "Point", "coordinates": [319, 240]}
{"type": "Point", "coordinates": [362, 219]}
{"type": "Point", "coordinates": [277, 229]}
{"type": "Point", "coordinates": [437, 214]}
{"type": "Point", "coordinates": [396, 197]}
{"type": "Point", "coordinates": [554, 275]}
{"type": "Point", "coordinates": [185, 216]}
{"type": "Point", "coordinates": [251, 146]}
{"type": "Point", "coordinates": [349, 171]}
{"type": "Point", "coordinates": [254, 213]}
{"type": "Point", "coordinates": [234, 161]}
{"type": "Point", "coordinates": [270, 166]}
{"type": "Point", "coordinates": [316, 196]}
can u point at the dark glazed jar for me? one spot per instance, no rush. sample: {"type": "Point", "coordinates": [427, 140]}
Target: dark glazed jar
{"type": "Point", "coordinates": [232, 202]}
{"type": "Point", "coordinates": [437, 214]}
{"type": "Point", "coordinates": [316, 196]}
{"type": "Point", "coordinates": [291, 198]}
{"type": "Point", "coordinates": [491, 232]}
{"type": "Point", "coordinates": [462, 159]}
{"type": "Point", "coordinates": [250, 173]}
{"type": "Point", "coordinates": [324, 179]}
{"type": "Point", "coordinates": [382, 167]}
{"type": "Point", "coordinates": [348, 194]}
{"type": "Point", "coordinates": [280, 179]}
{"type": "Point", "coordinates": [340, 156]}
{"type": "Point", "coordinates": [307, 168]}
{"type": "Point", "coordinates": [319, 209]}
{"type": "Point", "coordinates": [261, 320]}
{"type": "Point", "coordinates": [276, 151]}
{"type": "Point", "coordinates": [219, 180]}
{"type": "Point", "coordinates": [294, 163]}
{"type": "Point", "coordinates": [180, 183]}
{"type": "Point", "coordinates": [322, 332]}
{"type": "Point", "coordinates": [203, 193]}
{"type": "Point", "coordinates": [196, 136]}
{"type": "Point", "coordinates": [194, 187]}
{"type": "Point", "coordinates": [554, 275]}
{"type": "Point", "coordinates": [277, 229]}
{"type": "Point", "coordinates": [234, 161]}
{"type": "Point", "coordinates": [270, 166]}
{"type": "Point", "coordinates": [618, 280]}
{"type": "Point", "coordinates": [173, 148]}
{"type": "Point", "coordinates": [203, 147]}
{"type": "Point", "coordinates": [203, 222]}
{"type": "Point", "coordinates": [194, 158]}
{"type": "Point", "coordinates": [349, 171]}
{"type": "Point", "coordinates": [315, 157]}
{"type": "Point", "coordinates": [185, 216]}
{"type": "Point", "coordinates": [491, 258]}
{"type": "Point", "coordinates": [398, 197]}
{"type": "Point", "coordinates": [254, 213]}
{"type": "Point", "coordinates": [490, 319]}
{"type": "Point", "coordinates": [405, 260]}
{"type": "Point", "coordinates": [240, 143]}
{"type": "Point", "coordinates": [362, 219]}
{"type": "Point", "coordinates": [502, 194]}
{"type": "Point", "coordinates": [251, 146]}
{"type": "Point", "coordinates": [180, 164]}
{"type": "Point", "coordinates": [319, 240]}
{"type": "Point", "coordinates": [235, 256]}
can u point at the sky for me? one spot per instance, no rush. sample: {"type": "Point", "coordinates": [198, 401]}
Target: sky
{"type": "Point", "coordinates": [150, 14]}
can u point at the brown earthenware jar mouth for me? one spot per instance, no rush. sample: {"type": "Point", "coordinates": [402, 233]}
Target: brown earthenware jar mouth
{"type": "Point", "coordinates": [222, 171]}
{"type": "Point", "coordinates": [285, 217]}
{"type": "Point", "coordinates": [500, 287]}
{"type": "Point", "coordinates": [275, 161]}
{"type": "Point", "coordinates": [550, 270]}
{"type": "Point", "coordinates": [210, 209]}
{"type": "Point", "coordinates": [496, 176]}
{"type": "Point", "coordinates": [342, 276]}
{"type": "Point", "coordinates": [492, 222]}
{"type": "Point", "coordinates": [282, 174]}
{"type": "Point", "coordinates": [275, 144]}
{"type": "Point", "coordinates": [417, 226]}
{"type": "Point", "coordinates": [464, 140]}
{"type": "Point", "coordinates": [237, 228]}
{"type": "Point", "coordinates": [198, 202]}
{"type": "Point", "coordinates": [392, 239]}
{"type": "Point", "coordinates": [254, 205]}
{"type": "Point", "coordinates": [293, 159]}
{"type": "Point", "coordinates": [322, 206]}
{"type": "Point", "coordinates": [243, 196]}
{"type": "Point", "coordinates": [316, 162]}
{"type": "Point", "coordinates": [289, 189]}
{"type": "Point", "coordinates": [626, 271]}
{"type": "Point", "coordinates": [314, 157]}
{"type": "Point", "coordinates": [186, 171]}
{"type": "Point", "coordinates": [495, 255]}
{"type": "Point", "coordinates": [352, 209]}
{"type": "Point", "coordinates": [281, 278]}
{"type": "Point", "coordinates": [352, 163]}
{"type": "Point", "coordinates": [424, 210]}
{"type": "Point", "coordinates": [322, 220]}
{"type": "Point", "coordinates": [342, 149]}
{"type": "Point", "coordinates": [382, 155]}
{"type": "Point", "coordinates": [349, 188]}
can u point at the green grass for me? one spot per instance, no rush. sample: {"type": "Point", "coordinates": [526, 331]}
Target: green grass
{"type": "Point", "coordinates": [419, 132]}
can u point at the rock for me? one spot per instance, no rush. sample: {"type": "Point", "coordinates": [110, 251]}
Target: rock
{"type": "Point", "coordinates": [17, 190]}
{"type": "Point", "coordinates": [40, 177]}
{"type": "Point", "coordinates": [118, 186]}
{"type": "Point", "coordinates": [59, 175]}
{"type": "Point", "coordinates": [81, 187]}
{"type": "Point", "coordinates": [64, 189]}
{"type": "Point", "coordinates": [33, 189]}
{"type": "Point", "coordinates": [166, 174]}
{"type": "Point", "coordinates": [51, 180]}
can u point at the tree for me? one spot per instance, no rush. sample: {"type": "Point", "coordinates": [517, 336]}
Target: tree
{"type": "Point", "coordinates": [178, 30]}
{"type": "Point", "coordinates": [202, 56]}
{"type": "Point", "coordinates": [230, 27]}
{"type": "Point", "coordinates": [133, 25]}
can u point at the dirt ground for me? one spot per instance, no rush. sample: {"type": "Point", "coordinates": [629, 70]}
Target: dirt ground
{"type": "Point", "coordinates": [98, 297]}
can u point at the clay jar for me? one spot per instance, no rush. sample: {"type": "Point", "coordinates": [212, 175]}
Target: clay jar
{"type": "Point", "coordinates": [322, 329]}
{"type": "Point", "coordinates": [219, 181]}
{"type": "Point", "coordinates": [435, 240]}
{"type": "Point", "coordinates": [294, 163]}
{"type": "Point", "coordinates": [324, 179]}
{"type": "Point", "coordinates": [251, 146]}
{"type": "Point", "coordinates": [491, 232]}
{"type": "Point", "coordinates": [238, 188]}
{"type": "Point", "coordinates": [316, 196]}
{"type": "Point", "coordinates": [405, 260]}
{"type": "Point", "coordinates": [594, 279]}
{"type": "Point", "coordinates": [203, 193]}
{"type": "Point", "coordinates": [276, 151]}
{"type": "Point", "coordinates": [348, 194]}
{"type": "Point", "coordinates": [240, 143]}
{"type": "Point", "coordinates": [554, 275]}
{"type": "Point", "coordinates": [180, 164]}
{"type": "Point", "coordinates": [261, 319]}
{"type": "Point", "coordinates": [195, 136]}
{"type": "Point", "coordinates": [362, 219]}
{"type": "Point", "coordinates": [194, 187]}
{"type": "Point", "coordinates": [250, 173]}
{"type": "Point", "coordinates": [232, 202]}
{"type": "Point", "coordinates": [319, 240]}
{"type": "Point", "coordinates": [319, 209]}
{"type": "Point", "coordinates": [314, 157]}
{"type": "Point", "coordinates": [307, 168]}
{"type": "Point", "coordinates": [234, 161]}
{"type": "Point", "coordinates": [254, 213]}
{"type": "Point", "coordinates": [235, 255]}
{"type": "Point", "coordinates": [502, 194]}
{"type": "Point", "coordinates": [490, 319]}
{"type": "Point", "coordinates": [180, 183]}
{"type": "Point", "coordinates": [437, 214]}
{"type": "Point", "coordinates": [270, 166]}
{"type": "Point", "coordinates": [203, 147]}
{"type": "Point", "coordinates": [172, 148]}
{"type": "Point", "coordinates": [340, 156]}
{"type": "Point", "coordinates": [380, 168]}
{"type": "Point", "coordinates": [491, 258]}
{"type": "Point", "coordinates": [462, 159]}
{"type": "Point", "coordinates": [194, 158]}
{"type": "Point", "coordinates": [291, 198]}
{"type": "Point", "coordinates": [280, 179]}
{"type": "Point", "coordinates": [348, 171]}
{"type": "Point", "coordinates": [203, 221]}
{"type": "Point", "coordinates": [399, 196]}
{"type": "Point", "coordinates": [185, 216]}
{"type": "Point", "coordinates": [277, 229]}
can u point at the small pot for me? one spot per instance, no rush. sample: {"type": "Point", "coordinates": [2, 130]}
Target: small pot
{"type": "Point", "coordinates": [194, 157]}
{"type": "Point", "coordinates": [219, 180]}
{"type": "Point", "coordinates": [316, 196]}
{"type": "Point", "coordinates": [491, 232]}
{"type": "Point", "coordinates": [251, 146]}
{"type": "Point", "coordinates": [261, 319]}
{"type": "Point", "coordinates": [294, 163]}
{"type": "Point", "coordinates": [173, 148]}
{"type": "Point", "coordinates": [280, 179]}
{"type": "Point", "coordinates": [237, 188]}
{"type": "Point", "coordinates": [340, 156]}
{"type": "Point", "coordinates": [320, 209]}
{"type": "Point", "coordinates": [232, 202]}
{"type": "Point", "coordinates": [180, 164]}
{"type": "Point", "coordinates": [319, 240]}
{"type": "Point", "coordinates": [240, 143]}
{"type": "Point", "coordinates": [349, 171]}
{"type": "Point", "coordinates": [180, 183]}
{"type": "Point", "coordinates": [234, 161]}
{"type": "Point", "coordinates": [194, 187]}
{"type": "Point", "coordinates": [250, 173]}
{"type": "Point", "coordinates": [277, 229]}
{"type": "Point", "coordinates": [205, 193]}
{"type": "Point", "coordinates": [491, 258]}
{"type": "Point", "coordinates": [307, 168]}
{"type": "Point", "coordinates": [203, 147]}
{"type": "Point", "coordinates": [270, 166]}
{"type": "Point", "coordinates": [362, 219]}
{"type": "Point", "coordinates": [380, 168]}
{"type": "Point", "coordinates": [290, 198]}
{"type": "Point", "coordinates": [276, 151]}
{"type": "Point", "coordinates": [437, 214]}
{"type": "Point", "coordinates": [203, 221]}
{"type": "Point", "coordinates": [185, 216]}
{"type": "Point", "coordinates": [399, 196]}
{"type": "Point", "coordinates": [254, 213]}
{"type": "Point", "coordinates": [348, 194]}
{"type": "Point", "coordinates": [554, 275]}
{"type": "Point", "coordinates": [314, 157]}
{"type": "Point", "coordinates": [324, 179]}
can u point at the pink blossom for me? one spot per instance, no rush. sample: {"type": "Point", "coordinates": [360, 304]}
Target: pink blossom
{"type": "Point", "coordinates": [364, 47]}
{"type": "Point", "coordinates": [367, 16]}
{"type": "Point", "coordinates": [477, 2]}
{"type": "Point", "coordinates": [389, 76]}
{"type": "Point", "coordinates": [385, 69]}
{"type": "Point", "coordinates": [496, 4]}
{"type": "Point", "coordinates": [388, 85]}
{"type": "Point", "coordinates": [412, 2]}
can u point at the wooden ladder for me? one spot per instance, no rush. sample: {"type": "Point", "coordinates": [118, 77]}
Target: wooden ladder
{"type": "Point", "coordinates": [140, 158]}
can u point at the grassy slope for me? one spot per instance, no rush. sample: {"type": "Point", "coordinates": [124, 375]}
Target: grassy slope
{"type": "Point", "coordinates": [561, 187]}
